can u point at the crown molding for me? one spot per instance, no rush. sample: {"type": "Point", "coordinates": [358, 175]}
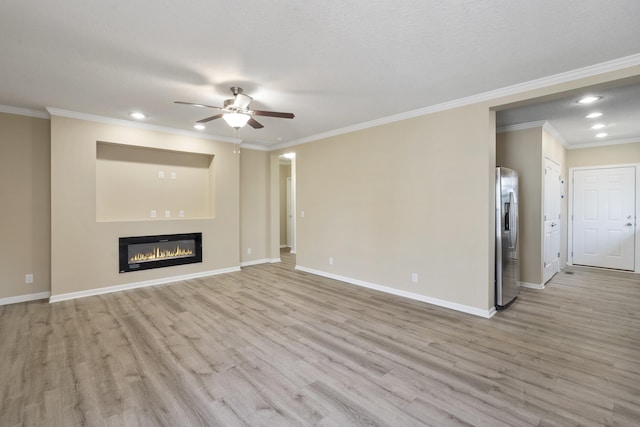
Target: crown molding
{"type": "Point", "coordinates": [554, 132]}
{"type": "Point", "coordinates": [604, 143]}
{"type": "Point", "coordinates": [254, 147]}
{"type": "Point", "coordinates": [521, 126]}
{"type": "Point", "coordinates": [537, 124]}
{"type": "Point", "coordinates": [137, 125]}
{"type": "Point", "coordinates": [24, 112]}
{"type": "Point", "coordinates": [568, 76]}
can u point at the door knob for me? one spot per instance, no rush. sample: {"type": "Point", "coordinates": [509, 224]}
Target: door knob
{"type": "Point", "coordinates": [628, 224]}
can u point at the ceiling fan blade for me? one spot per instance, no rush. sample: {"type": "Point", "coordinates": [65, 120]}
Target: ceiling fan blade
{"type": "Point", "coordinates": [197, 105]}
{"type": "Point", "coordinates": [273, 114]}
{"type": "Point", "coordinates": [254, 123]}
{"type": "Point", "coordinates": [208, 119]}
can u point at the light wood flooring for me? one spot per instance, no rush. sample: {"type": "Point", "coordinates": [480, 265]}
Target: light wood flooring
{"type": "Point", "coordinates": [270, 346]}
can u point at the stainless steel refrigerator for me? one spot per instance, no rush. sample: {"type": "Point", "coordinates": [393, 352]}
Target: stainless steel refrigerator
{"type": "Point", "coordinates": [507, 228]}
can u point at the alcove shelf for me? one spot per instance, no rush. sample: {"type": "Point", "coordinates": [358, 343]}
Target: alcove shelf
{"type": "Point", "coordinates": [133, 183]}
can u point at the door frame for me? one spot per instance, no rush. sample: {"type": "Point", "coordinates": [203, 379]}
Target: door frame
{"type": "Point", "coordinates": [560, 220]}
{"type": "Point", "coordinates": [570, 210]}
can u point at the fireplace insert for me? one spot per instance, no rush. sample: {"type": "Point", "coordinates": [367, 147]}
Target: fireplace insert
{"type": "Point", "coordinates": [146, 252]}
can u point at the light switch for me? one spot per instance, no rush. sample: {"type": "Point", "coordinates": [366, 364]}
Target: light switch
{"type": "Point", "coordinates": [153, 214]}
{"type": "Point", "coordinates": [161, 174]}
{"type": "Point", "coordinates": [167, 214]}
{"type": "Point", "coordinates": [181, 214]}
{"type": "Point", "coordinates": [301, 214]}
{"type": "Point", "coordinates": [173, 175]}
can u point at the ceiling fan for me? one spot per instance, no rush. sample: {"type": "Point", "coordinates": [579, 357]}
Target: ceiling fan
{"type": "Point", "coordinates": [236, 111]}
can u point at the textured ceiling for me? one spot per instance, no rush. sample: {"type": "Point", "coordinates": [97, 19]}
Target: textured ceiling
{"type": "Point", "coordinates": [333, 63]}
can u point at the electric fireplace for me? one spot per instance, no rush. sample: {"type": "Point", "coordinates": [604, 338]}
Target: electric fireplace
{"type": "Point", "coordinates": [145, 252]}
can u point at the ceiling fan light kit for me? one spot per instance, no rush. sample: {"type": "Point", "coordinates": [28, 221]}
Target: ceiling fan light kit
{"type": "Point", "coordinates": [236, 120]}
{"type": "Point", "coordinates": [236, 111]}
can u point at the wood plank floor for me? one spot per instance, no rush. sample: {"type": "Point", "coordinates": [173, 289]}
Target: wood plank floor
{"type": "Point", "coordinates": [270, 346]}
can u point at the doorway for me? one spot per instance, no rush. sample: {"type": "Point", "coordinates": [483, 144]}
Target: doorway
{"type": "Point", "coordinates": [604, 217]}
{"type": "Point", "coordinates": [287, 178]}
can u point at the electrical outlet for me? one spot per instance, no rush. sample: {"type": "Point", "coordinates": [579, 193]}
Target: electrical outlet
{"type": "Point", "coordinates": [248, 251]}
{"type": "Point", "coordinates": [153, 214]}
{"type": "Point", "coordinates": [167, 214]}
{"type": "Point", "coordinates": [28, 278]}
{"type": "Point", "coordinates": [174, 175]}
{"type": "Point", "coordinates": [161, 174]}
{"type": "Point", "coordinates": [414, 277]}
{"type": "Point", "coordinates": [330, 260]}
{"type": "Point", "coordinates": [181, 214]}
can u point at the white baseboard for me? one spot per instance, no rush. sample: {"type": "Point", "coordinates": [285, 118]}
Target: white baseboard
{"type": "Point", "coordinates": [441, 303]}
{"type": "Point", "coordinates": [135, 285]}
{"type": "Point", "coordinates": [254, 262]}
{"type": "Point", "coordinates": [24, 298]}
{"type": "Point", "coordinates": [274, 260]}
{"type": "Point", "coordinates": [284, 246]}
{"type": "Point", "coordinates": [529, 285]}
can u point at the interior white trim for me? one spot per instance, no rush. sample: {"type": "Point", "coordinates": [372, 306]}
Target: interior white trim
{"type": "Point", "coordinates": [138, 125]}
{"type": "Point", "coordinates": [275, 260]}
{"type": "Point", "coordinates": [254, 147]}
{"type": "Point", "coordinates": [604, 143]}
{"type": "Point", "coordinates": [554, 132]}
{"type": "Point", "coordinates": [570, 211]}
{"type": "Point", "coordinates": [592, 70]}
{"type": "Point", "coordinates": [538, 124]}
{"type": "Point", "coordinates": [24, 298]}
{"type": "Point", "coordinates": [530, 285]}
{"type": "Point", "coordinates": [441, 303]}
{"type": "Point", "coordinates": [24, 112]}
{"type": "Point", "coordinates": [521, 126]}
{"type": "Point", "coordinates": [255, 262]}
{"type": "Point", "coordinates": [143, 284]}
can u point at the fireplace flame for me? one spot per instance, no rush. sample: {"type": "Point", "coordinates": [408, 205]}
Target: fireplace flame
{"type": "Point", "coordinates": [159, 254]}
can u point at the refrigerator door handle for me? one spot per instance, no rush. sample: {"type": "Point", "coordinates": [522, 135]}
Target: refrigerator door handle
{"type": "Point", "coordinates": [512, 228]}
{"type": "Point", "coordinates": [507, 209]}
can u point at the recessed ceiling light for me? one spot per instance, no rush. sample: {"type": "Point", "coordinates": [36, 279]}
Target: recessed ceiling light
{"type": "Point", "coordinates": [199, 126]}
{"type": "Point", "coordinates": [601, 135]}
{"type": "Point", "coordinates": [588, 99]}
{"type": "Point", "coordinates": [593, 115]}
{"type": "Point", "coordinates": [137, 115]}
{"type": "Point", "coordinates": [598, 126]}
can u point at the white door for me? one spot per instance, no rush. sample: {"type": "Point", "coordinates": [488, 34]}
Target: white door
{"type": "Point", "coordinates": [552, 197]}
{"type": "Point", "coordinates": [604, 217]}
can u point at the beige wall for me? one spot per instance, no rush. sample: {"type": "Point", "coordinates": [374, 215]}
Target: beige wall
{"type": "Point", "coordinates": [24, 205]}
{"type": "Point", "coordinates": [381, 222]}
{"type": "Point", "coordinates": [522, 151]}
{"type": "Point", "coordinates": [525, 151]}
{"type": "Point", "coordinates": [133, 181]}
{"type": "Point", "coordinates": [73, 208]}
{"type": "Point", "coordinates": [605, 155]}
{"type": "Point", "coordinates": [402, 198]}
{"type": "Point", "coordinates": [285, 172]}
{"type": "Point", "coordinates": [254, 204]}
{"type": "Point", "coordinates": [406, 219]}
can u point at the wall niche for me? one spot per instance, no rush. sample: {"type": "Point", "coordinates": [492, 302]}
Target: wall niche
{"type": "Point", "coordinates": [138, 183]}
